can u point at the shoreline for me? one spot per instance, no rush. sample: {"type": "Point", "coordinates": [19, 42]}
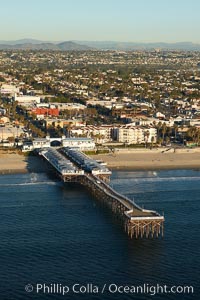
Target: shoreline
{"type": "Point", "coordinates": [13, 171]}
{"type": "Point", "coordinates": [145, 160]}
{"type": "Point", "coordinates": [121, 168]}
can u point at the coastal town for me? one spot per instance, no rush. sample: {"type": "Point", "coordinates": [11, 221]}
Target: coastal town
{"type": "Point", "coordinates": [99, 150]}
{"type": "Point", "coordinates": [102, 100]}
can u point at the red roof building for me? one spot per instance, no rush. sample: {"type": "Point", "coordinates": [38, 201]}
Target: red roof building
{"type": "Point", "coordinates": [46, 111]}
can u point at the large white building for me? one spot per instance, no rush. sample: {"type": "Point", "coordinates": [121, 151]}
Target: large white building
{"type": "Point", "coordinates": [136, 135]}
{"type": "Point", "coordinates": [66, 106]}
{"type": "Point", "coordinates": [107, 104]}
{"type": "Point", "coordinates": [8, 89]}
{"type": "Point", "coordinates": [129, 134]}
{"type": "Point", "coordinates": [80, 143]}
{"type": "Point", "coordinates": [101, 134]}
{"type": "Point", "coordinates": [25, 99]}
{"type": "Point", "coordinates": [41, 143]}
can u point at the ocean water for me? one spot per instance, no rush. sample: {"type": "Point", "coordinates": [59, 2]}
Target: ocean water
{"type": "Point", "coordinates": [51, 233]}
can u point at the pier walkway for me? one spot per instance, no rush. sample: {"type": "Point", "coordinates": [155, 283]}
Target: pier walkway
{"type": "Point", "coordinates": [74, 166]}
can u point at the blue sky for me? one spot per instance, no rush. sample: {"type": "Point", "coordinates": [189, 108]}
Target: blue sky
{"type": "Point", "coordinates": [119, 20]}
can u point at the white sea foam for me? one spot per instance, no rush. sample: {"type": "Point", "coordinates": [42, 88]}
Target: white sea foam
{"type": "Point", "coordinates": [31, 183]}
{"type": "Point", "coordinates": [156, 179]}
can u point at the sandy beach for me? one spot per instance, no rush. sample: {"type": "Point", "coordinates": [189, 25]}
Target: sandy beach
{"type": "Point", "coordinates": [152, 159]}
{"type": "Point", "coordinates": [12, 162]}
{"type": "Point", "coordinates": [137, 159]}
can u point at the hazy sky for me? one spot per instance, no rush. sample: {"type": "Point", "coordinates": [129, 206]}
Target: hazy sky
{"type": "Point", "coordinates": [116, 20]}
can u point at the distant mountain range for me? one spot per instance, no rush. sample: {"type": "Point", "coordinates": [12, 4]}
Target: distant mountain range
{"type": "Point", "coordinates": [39, 45]}
{"type": "Point", "coordinates": [92, 45]}
{"type": "Point", "coordinates": [124, 46]}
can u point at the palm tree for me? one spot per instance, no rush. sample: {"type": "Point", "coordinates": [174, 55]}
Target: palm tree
{"type": "Point", "coordinates": [152, 141]}
{"type": "Point", "coordinates": [163, 130]}
{"type": "Point", "coordinates": [158, 127]}
{"type": "Point", "coordinates": [146, 137]}
{"type": "Point", "coordinates": [169, 131]}
{"type": "Point", "coordinates": [197, 136]}
{"type": "Point", "coordinates": [175, 127]}
{"type": "Point", "coordinates": [191, 133]}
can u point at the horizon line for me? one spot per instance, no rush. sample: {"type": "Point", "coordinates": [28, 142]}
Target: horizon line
{"type": "Point", "coordinates": [113, 41]}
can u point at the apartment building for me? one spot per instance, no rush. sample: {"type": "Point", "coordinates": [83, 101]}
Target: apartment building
{"type": "Point", "coordinates": [26, 99]}
{"type": "Point", "coordinates": [8, 89]}
{"type": "Point", "coordinates": [101, 134]}
{"type": "Point", "coordinates": [136, 135]}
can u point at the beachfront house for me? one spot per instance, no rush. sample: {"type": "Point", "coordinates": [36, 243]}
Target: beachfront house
{"type": "Point", "coordinates": [41, 143]}
{"type": "Point", "coordinates": [79, 143]}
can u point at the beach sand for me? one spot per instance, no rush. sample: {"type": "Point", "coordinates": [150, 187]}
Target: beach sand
{"type": "Point", "coordinates": [141, 159]}
{"type": "Point", "coordinates": [12, 162]}
{"type": "Point", "coordinates": [152, 160]}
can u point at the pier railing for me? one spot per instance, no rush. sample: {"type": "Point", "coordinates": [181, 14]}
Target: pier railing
{"type": "Point", "coordinates": [137, 221]}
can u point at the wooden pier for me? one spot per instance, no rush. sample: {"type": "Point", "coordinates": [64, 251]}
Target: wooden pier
{"type": "Point", "coordinates": [137, 222]}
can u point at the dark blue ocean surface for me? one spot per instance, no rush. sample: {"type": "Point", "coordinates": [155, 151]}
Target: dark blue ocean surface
{"type": "Point", "coordinates": [56, 234]}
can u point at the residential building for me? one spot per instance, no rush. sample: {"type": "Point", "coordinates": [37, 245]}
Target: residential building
{"type": "Point", "coordinates": [41, 143]}
{"type": "Point", "coordinates": [101, 134]}
{"type": "Point", "coordinates": [64, 123]}
{"type": "Point", "coordinates": [42, 112]}
{"type": "Point", "coordinates": [7, 89]}
{"type": "Point", "coordinates": [80, 143]}
{"type": "Point", "coordinates": [26, 99]}
{"type": "Point", "coordinates": [136, 135]}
